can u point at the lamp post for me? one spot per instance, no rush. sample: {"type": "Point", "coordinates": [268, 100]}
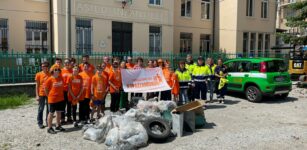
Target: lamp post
{"type": "Point", "coordinates": [68, 28]}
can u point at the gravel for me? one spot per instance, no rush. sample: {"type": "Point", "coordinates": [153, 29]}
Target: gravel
{"type": "Point", "coordinates": [237, 124]}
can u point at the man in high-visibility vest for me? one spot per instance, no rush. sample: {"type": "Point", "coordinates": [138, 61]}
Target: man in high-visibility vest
{"type": "Point", "coordinates": [190, 65]}
{"type": "Point", "coordinates": [199, 80]}
{"type": "Point", "coordinates": [209, 71]}
{"type": "Point", "coordinates": [184, 78]}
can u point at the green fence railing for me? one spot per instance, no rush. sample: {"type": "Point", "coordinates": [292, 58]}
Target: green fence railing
{"type": "Point", "coordinates": [17, 67]}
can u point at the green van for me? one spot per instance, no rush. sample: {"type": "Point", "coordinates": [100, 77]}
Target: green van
{"type": "Point", "coordinates": [257, 77]}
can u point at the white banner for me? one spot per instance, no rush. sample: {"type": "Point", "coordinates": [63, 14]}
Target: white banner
{"type": "Point", "coordinates": [144, 80]}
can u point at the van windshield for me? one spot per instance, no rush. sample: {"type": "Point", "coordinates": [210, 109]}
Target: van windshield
{"type": "Point", "coordinates": [276, 66]}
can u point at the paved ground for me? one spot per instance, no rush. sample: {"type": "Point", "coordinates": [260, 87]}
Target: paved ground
{"type": "Point", "coordinates": [237, 124]}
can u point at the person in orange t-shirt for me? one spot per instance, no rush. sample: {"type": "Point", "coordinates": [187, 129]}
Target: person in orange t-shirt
{"type": "Point", "coordinates": [84, 107]}
{"type": "Point", "coordinates": [175, 86]}
{"type": "Point", "coordinates": [129, 64]}
{"type": "Point", "coordinates": [115, 82]}
{"type": "Point", "coordinates": [41, 97]}
{"type": "Point", "coordinates": [66, 72]}
{"type": "Point", "coordinates": [166, 95]}
{"type": "Point", "coordinates": [99, 89]}
{"type": "Point", "coordinates": [75, 90]}
{"type": "Point", "coordinates": [108, 67]}
{"type": "Point", "coordinates": [54, 87]}
{"type": "Point", "coordinates": [85, 59]}
{"type": "Point", "coordinates": [58, 63]}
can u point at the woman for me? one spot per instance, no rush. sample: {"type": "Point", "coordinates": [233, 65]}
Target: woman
{"type": "Point", "coordinates": [75, 91]}
{"type": "Point", "coordinates": [184, 78]}
{"type": "Point", "coordinates": [123, 104]}
{"type": "Point", "coordinates": [54, 88]}
{"type": "Point", "coordinates": [165, 95]}
{"type": "Point", "coordinates": [115, 83]}
{"type": "Point", "coordinates": [221, 73]}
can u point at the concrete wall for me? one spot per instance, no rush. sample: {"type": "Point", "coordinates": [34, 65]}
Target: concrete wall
{"type": "Point", "coordinates": [194, 24]}
{"type": "Point", "coordinates": [102, 13]}
{"type": "Point", "coordinates": [21, 11]}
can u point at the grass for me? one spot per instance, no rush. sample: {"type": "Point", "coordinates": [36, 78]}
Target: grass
{"type": "Point", "coordinates": [13, 101]}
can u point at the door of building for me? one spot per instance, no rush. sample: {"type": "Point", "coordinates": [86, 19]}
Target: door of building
{"type": "Point", "coordinates": [121, 37]}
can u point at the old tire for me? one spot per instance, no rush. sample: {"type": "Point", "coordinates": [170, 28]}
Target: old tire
{"type": "Point", "coordinates": [253, 94]}
{"type": "Point", "coordinates": [157, 124]}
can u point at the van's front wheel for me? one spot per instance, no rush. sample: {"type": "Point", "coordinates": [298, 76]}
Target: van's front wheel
{"type": "Point", "coordinates": [253, 94]}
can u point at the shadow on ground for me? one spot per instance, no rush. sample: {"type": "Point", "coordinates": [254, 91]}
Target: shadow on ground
{"type": "Point", "coordinates": [276, 100]}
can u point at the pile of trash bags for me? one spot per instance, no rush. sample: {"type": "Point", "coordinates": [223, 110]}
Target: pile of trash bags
{"type": "Point", "coordinates": [130, 130]}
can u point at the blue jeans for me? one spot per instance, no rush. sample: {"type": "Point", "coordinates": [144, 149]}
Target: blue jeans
{"type": "Point", "coordinates": [41, 106]}
{"type": "Point", "coordinates": [211, 88]}
{"type": "Point", "coordinates": [183, 96]}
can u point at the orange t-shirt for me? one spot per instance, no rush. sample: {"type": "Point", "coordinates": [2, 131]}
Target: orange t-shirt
{"type": "Point", "coordinates": [129, 65]}
{"type": "Point", "coordinates": [167, 75]}
{"type": "Point", "coordinates": [76, 84]}
{"type": "Point", "coordinates": [42, 77]}
{"type": "Point", "coordinates": [91, 68]}
{"type": "Point", "coordinates": [66, 73]}
{"type": "Point", "coordinates": [55, 86]}
{"type": "Point", "coordinates": [175, 83]}
{"type": "Point", "coordinates": [87, 82]}
{"type": "Point", "coordinates": [108, 68]}
{"type": "Point", "coordinates": [100, 85]}
{"type": "Point", "coordinates": [116, 79]}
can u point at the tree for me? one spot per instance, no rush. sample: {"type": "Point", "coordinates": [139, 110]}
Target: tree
{"type": "Point", "coordinates": [297, 22]}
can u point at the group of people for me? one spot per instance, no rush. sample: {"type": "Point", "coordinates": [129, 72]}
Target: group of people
{"type": "Point", "coordinates": [62, 88]}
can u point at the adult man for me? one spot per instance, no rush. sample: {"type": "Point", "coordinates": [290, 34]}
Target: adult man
{"type": "Point", "coordinates": [199, 80]}
{"type": "Point", "coordinates": [210, 67]}
{"type": "Point", "coordinates": [108, 67]}
{"type": "Point", "coordinates": [85, 59]}
{"type": "Point", "coordinates": [41, 96]}
{"type": "Point", "coordinates": [58, 63]}
{"type": "Point", "coordinates": [66, 72]}
{"type": "Point", "coordinates": [190, 65]}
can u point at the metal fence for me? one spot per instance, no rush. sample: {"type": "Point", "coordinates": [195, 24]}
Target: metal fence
{"type": "Point", "coordinates": [17, 67]}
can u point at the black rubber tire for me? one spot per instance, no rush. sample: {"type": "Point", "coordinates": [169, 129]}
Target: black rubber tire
{"type": "Point", "coordinates": [163, 125]}
{"type": "Point", "coordinates": [253, 94]}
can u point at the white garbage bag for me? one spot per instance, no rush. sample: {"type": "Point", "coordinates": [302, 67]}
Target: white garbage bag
{"type": "Point", "coordinates": [93, 134]}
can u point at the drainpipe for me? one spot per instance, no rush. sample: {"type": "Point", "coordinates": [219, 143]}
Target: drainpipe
{"type": "Point", "coordinates": [51, 25]}
{"type": "Point", "coordinates": [213, 26]}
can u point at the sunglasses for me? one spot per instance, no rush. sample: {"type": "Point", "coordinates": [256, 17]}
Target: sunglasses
{"type": "Point", "coordinates": [58, 70]}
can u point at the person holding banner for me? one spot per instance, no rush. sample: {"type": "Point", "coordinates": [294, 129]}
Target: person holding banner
{"type": "Point", "coordinates": [165, 95]}
{"type": "Point", "coordinates": [221, 73]}
{"type": "Point", "coordinates": [199, 80]}
{"type": "Point", "coordinates": [184, 77]}
{"type": "Point", "coordinates": [129, 64]}
{"type": "Point", "coordinates": [139, 64]}
{"type": "Point", "coordinates": [123, 104]}
{"type": "Point", "coordinates": [115, 83]}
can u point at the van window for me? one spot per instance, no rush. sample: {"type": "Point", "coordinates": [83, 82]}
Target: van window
{"type": "Point", "coordinates": [255, 67]}
{"type": "Point", "coordinates": [243, 66]}
{"type": "Point", "coordinates": [276, 66]}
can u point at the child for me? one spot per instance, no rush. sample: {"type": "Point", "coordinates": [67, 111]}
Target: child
{"type": "Point", "coordinates": [98, 90]}
{"type": "Point", "coordinates": [175, 86]}
{"type": "Point", "coordinates": [75, 90]}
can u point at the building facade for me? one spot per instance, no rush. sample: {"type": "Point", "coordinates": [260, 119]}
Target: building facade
{"type": "Point", "coordinates": [249, 24]}
{"type": "Point", "coordinates": [155, 26]}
